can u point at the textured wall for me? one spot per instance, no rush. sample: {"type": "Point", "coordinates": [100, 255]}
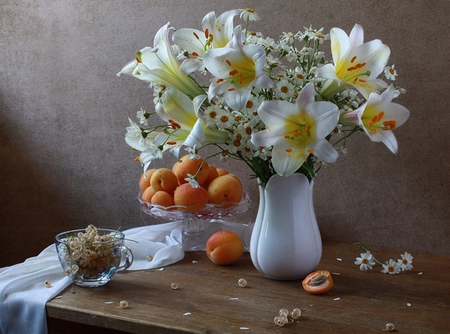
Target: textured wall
{"type": "Point", "coordinates": [64, 162]}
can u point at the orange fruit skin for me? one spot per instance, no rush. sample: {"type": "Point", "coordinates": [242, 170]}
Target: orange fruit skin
{"type": "Point", "coordinates": [144, 181]}
{"type": "Point", "coordinates": [148, 194]}
{"type": "Point", "coordinates": [225, 189]}
{"type": "Point", "coordinates": [224, 247]}
{"type": "Point", "coordinates": [211, 176]}
{"type": "Point", "coordinates": [322, 285]}
{"type": "Point", "coordinates": [164, 179]}
{"type": "Point", "coordinates": [162, 198]}
{"type": "Point", "coordinates": [194, 199]}
{"type": "Point", "coordinates": [222, 171]}
{"type": "Point", "coordinates": [186, 166]}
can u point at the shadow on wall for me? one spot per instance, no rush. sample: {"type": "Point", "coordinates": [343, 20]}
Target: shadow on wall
{"type": "Point", "coordinates": [26, 200]}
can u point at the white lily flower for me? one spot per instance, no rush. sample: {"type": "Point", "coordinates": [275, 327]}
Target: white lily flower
{"type": "Point", "coordinates": [355, 63]}
{"type": "Point", "coordinates": [160, 65]}
{"type": "Point", "coordinates": [217, 33]}
{"type": "Point", "coordinates": [297, 130]}
{"type": "Point", "coordinates": [237, 69]}
{"type": "Point", "coordinates": [379, 116]}
{"type": "Point", "coordinates": [182, 114]}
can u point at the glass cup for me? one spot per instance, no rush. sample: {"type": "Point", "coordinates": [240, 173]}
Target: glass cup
{"type": "Point", "coordinates": [93, 255]}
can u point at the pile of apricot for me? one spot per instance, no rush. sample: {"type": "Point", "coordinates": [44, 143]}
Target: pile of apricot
{"type": "Point", "coordinates": [168, 187]}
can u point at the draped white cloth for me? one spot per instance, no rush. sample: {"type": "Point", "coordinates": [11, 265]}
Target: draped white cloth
{"type": "Point", "coordinates": [23, 292]}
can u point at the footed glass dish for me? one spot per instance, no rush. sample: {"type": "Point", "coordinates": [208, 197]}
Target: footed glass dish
{"type": "Point", "coordinates": [197, 226]}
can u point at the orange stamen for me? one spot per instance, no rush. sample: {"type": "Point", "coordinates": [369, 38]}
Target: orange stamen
{"type": "Point", "coordinates": [228, 62]}
{"type": "Point", "coordinates": [310, 151]}
{"type": "Point", "coordinates": [231, 89]}
{"type": "Point", "coordinates": [206, 33]}
{"type": "Point", "coordinates": [196, 36]}
{"type": "Point", "coordinates": [219, 80]}
{"type": "Point", "coordinates": [353, 59]}
{"type": "Point", "coordinates": [289, 150]}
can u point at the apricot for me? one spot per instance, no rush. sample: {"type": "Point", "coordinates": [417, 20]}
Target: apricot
{"type": "Point", "coordinates": [224, 247]}
{"type": "Point", "coordinates": [225, 189]}
{"type": "Point", "coordinates": [222, 171]}
{"type": "Point", "coordinates": [148, 194]}
{"type": "Point", "coordinates": [162, 198]}
{"type": "Point", "coordinates": [164, 179]}
{"type": "Point", "coordinates": [211, 176]}
{"type": "Point", "coordinates": [186, 166]}
{"type": "Point", "coordinates": [194, 199]}
{"type": "Point", "coordinates": [144, 181]}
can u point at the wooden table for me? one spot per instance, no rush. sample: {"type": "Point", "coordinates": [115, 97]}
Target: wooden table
{"type": "Point", "coordinates": [209, 300]}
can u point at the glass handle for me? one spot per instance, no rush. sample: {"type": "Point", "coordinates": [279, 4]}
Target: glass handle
{"type": "Point", "coordinates": [126, 258]}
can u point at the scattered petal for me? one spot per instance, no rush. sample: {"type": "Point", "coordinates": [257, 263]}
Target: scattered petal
{"type": "Point", "coordinates": [234, 298]}
{"type": "Point", "coordinates": [337, 274]}
{"type": "Point", "coordinates": [338, 298]}
{"type": "Point", "coordinates": [194, 261]}
{"type": "Point", "coordinates": [109, 302]}
{"type": "Point", "coordinates": [244, 328]}
{"type": "Point", "coordinates": [420, 273]}
{"type": "Point", "coordinates": [408, 304]}
{"type": "Point", "coordinates": [160, 269]}
{"type": "Point", "coordinates": [339, 259]}
{"type": "Point", "coordinates": [187, 313]}
{"type": "Point", "coordinates": [58, 297]}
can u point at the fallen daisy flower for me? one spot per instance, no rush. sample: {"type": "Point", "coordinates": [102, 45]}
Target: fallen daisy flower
{"type": "Point", "coordinates": [366, 261]}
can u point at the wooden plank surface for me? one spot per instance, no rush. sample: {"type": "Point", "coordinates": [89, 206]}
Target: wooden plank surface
{"type": "Point", "coordinates": [209, 300]}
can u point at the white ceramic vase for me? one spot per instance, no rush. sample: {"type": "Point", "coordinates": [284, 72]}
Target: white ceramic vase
{"type": "Point", "coordinates": [286, 242]}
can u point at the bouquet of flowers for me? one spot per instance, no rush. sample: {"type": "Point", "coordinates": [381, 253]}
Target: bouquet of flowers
{"type": "Point", "coordinates": [277, 105]}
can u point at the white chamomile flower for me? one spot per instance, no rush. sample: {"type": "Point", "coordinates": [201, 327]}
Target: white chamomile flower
{"type": "Point", "coordinates": [390, 72]}
{"type": "Point", "coordinates": [249, 14]}
{"type": "Point", "coordinates": [223, 119]}
{"type": "Point", "coordinates": [285, 89]}
{"type": "Point", "coordinates": [366, 261]}
{"type": "Point", "coordinates": [192, 181]}
{"type": "Point", "coordinates": [406, 261]}
{"type": "Point", "coordinates": [391, 267]}
{"type": "Point", "coordinates": [143, 116]}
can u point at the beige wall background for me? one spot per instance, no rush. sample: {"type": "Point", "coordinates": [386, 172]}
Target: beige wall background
{"type": "Point", "coordinates": [64, 162]}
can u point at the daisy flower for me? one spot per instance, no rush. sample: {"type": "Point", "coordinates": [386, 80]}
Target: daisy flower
{"type": "Point", "coordinates": [366, 261]}
{"type": "Point", "coordinates": [405, 262]}
{"type": "Point", "coordinates": [391, 267]}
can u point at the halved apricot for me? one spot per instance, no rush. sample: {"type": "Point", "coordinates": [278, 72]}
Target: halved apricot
{"type": "Point", "coordinates": [318, 282]}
